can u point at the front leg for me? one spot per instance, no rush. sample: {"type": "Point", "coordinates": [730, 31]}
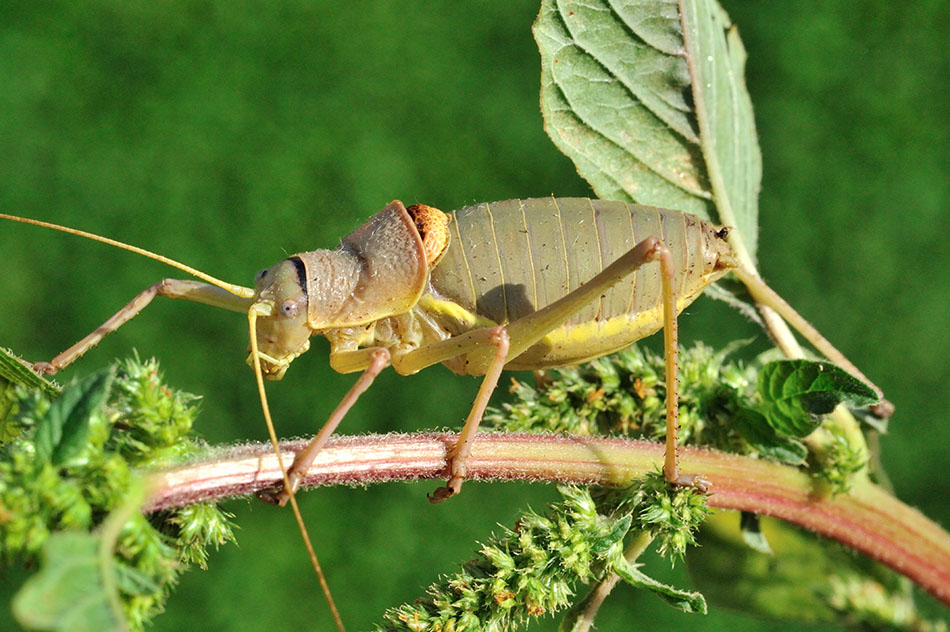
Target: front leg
{"type": "Point", "coordinates": [189, 290]}
{"type": "Point", "coordinates": [373, 361]}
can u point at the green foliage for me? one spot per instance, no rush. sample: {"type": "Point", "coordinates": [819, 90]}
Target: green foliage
{"type": "Point", "coordinates": [14, 371]}
{"type": "Point", "coordinates": [127, 416]}
{"type": "Point", "coordinates": [86, 157]}
{"type": "Point", "coordinates": [623, 394]}
{"type": "Point", "coordinates": [68, 593]}
{"type": "Point", "coordinates": [534, 569]}
{"type": "Point", "coordinates": [798, 393]}
{"type": "Point", "coordinates": [671, 514]}
{"type": "Point", "coordinates": [73, 462]}
{"type": "Point", "coordinates": [62, 433]}
{"type": "Point", "coordinates": [803, 578]}
{"type": "Point", "coordinates": [722, 405]}
{"type": "Point", "coordinates": [643, 121]}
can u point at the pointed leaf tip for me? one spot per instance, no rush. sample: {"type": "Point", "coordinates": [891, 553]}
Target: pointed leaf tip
{"type": "Point", "coordinates": [796, 393]}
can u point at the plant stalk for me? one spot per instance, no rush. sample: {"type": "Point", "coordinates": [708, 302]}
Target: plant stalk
{"type": "Point", "coordinates": [593, 602]}
{"type": "Point", "coordinates": [868, 519]}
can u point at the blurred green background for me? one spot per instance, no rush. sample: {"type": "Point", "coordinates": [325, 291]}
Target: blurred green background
{"type": "Point", "coordinates": [229, 134]}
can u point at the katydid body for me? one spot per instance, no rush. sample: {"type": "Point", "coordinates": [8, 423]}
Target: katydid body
{"type": "Point", "coordinates": [555, 281]}
{"type": "Point", "coordinates": [521, 284]}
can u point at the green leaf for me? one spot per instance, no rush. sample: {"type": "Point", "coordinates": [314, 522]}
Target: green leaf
{"type": "Point", "coordinates": [13, 370]}
{"type": "Point", "coordinates": [616, 534]}
{"type": "Point", "coordinates": [613, 104]}
{"type": "Point", "coordinates": [132, 581]}
{"type": "Point", "coordinates": [16, 372]}
{"type": "Point", "coordinates": [724, 112]}
{"type": "Point", "coordinates": [624, 94]}
{"type": "Point", "coordinates": [62, 432]}
{"type": "Point", "coordinates": [764, 439]}
{"type": "Point", "coordinates": [795, 393]}
{"type": "Point", "coordinates": [684, 600]}
{"type": "Point", "coordinates": [68, 593]}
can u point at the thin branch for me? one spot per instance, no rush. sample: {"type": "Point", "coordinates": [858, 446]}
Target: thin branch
{"type": "Point", "coordinates": [867, 519]}
{"type": "Point", "coordinates": [593, 602]}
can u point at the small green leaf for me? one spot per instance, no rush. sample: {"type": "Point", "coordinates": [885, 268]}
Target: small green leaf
{"type": "Point", "coordinates": [62, 432]}
{"type": "Point", "coordinates": [763, 438]}
{"type": "Point", "coordinates": [615, 535]}
{"type": "Point", "coordinates": [684, 600]}
{"type": "Point", "coordinates": [132, 581]}
{"type": "Point", "coordinates": [795, 393]}
{"type": "Point", "coordinates": [14, 370]}
{"type": "Point", "coordinates": [68, 593]}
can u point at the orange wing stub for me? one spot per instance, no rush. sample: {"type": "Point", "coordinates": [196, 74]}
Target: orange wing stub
{"type": "Point", "coordinates": [433, 227]}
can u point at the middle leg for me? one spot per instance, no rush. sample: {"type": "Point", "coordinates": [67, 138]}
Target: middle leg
{"type": "Point", "coordinates": [487, 353]}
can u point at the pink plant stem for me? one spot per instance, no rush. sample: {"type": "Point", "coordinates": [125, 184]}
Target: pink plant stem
{"type": "Point", "coordinates": [867, 519]}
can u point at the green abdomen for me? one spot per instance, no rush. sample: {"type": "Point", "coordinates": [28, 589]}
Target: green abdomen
{"type": "Point", "coordinates": [508, 259]}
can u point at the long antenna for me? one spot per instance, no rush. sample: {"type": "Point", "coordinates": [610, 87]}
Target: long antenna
{"type": "Point", "coordinates": [255, 310]}
{"type": "Point", "coordinates": [237, 290]}
{"type": "Point", "coordinates": [260, 309]}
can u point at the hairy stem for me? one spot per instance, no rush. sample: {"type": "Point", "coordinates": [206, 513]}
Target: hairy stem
{"type": "Point", "coordinates": [867, 519]}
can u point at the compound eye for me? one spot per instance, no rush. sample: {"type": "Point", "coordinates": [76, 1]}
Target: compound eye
{"type": "Point", "coordinates": [288, 309]}
{"type": "Point", "coordinates": [260, 275]}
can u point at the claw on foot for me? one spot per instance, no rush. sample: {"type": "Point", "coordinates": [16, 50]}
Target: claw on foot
{"type": "Point", "coordinates": [281, 495]}
{"type": "Point", "coordinates": [44, 368]}
{"type": "Point", "coordinates": [883, 409]}
{"type": "Point", "coordinates": [695, 481]}
{"type": "Point", "coordinates": [273, 497]}
{"type": "Point", "coordinates": [451, 488]}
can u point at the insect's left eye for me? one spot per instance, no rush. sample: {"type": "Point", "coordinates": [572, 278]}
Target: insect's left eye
{"type": "Point", "coordinates": [288, 309]}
